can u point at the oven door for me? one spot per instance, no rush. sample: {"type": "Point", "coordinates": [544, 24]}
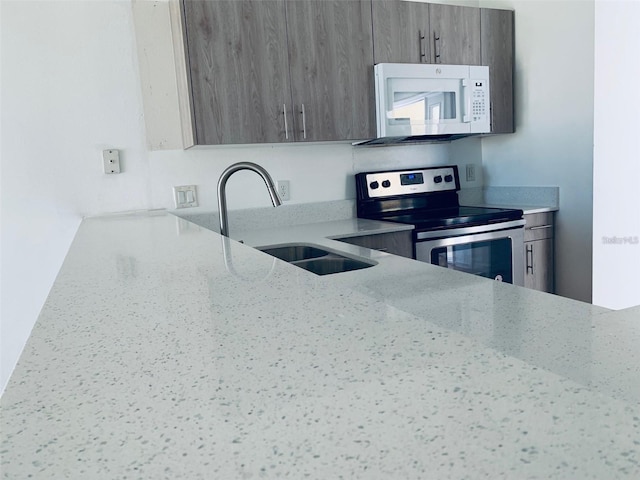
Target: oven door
{"type": "Point", "coordinates": [492, 251]}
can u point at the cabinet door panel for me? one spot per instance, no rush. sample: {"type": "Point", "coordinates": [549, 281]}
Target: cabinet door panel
{"type": "Point", "coordinates": [331, 61]}
{"type": "Point", "coordinates": [497, 53]}
{"type": "Point", "coordinates": [239, 70]}
{"type": "Point", "coordinates": [539, 265]}
{"type": "Point", "coordinates": [400, 32]}
{"type": "Point", "coordinates": [455, 34]}
{"type": "Point", "coordinates": [398, 243]}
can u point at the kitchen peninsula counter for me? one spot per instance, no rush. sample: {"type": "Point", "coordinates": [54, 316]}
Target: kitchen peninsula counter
{"type": "Point", "coordinates": [167, 351]}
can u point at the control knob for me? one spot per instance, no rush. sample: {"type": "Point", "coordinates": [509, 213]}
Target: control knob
{"type": "Point", "coordinates": [437, 179]}
{"type": "Point", "coordinates": [374, 185]}
{"type": "Point", "coordinates": [386, 183]}
{"type": "Point", "coordinates": [448, 178]}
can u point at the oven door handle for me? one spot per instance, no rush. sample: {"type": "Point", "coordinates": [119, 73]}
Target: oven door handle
{"type": "Point", "coordinates": [457, 232]}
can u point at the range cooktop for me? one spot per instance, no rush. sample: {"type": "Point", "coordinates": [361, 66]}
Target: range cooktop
{"type": "Point", "coordinates": [424, 197]}
{"type": "Point", "coordinates": [454, 217]}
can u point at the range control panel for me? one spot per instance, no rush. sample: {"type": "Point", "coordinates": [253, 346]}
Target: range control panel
{"type": "Point", "coordinates": [408, 182]}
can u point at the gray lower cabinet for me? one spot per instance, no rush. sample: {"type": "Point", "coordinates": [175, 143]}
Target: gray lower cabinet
{"type": "Point", "coordinates": [539, 252]}
{"type": "Point", "coordinates": [398, 243]}
{"type": "Point", "coordinates": [279, 71]}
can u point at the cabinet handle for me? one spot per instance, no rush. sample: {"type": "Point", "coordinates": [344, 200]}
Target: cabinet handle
{"type": "Point", "coordinates": [540, 227]}
{"type": "Point", "coordinates": [304, 123]}
{"type": "Point", "coordinates": [421, 47]}
{"type": "Point", "coordinates": [286, 126]}
{"type": "Point", "coordinates": [530, 254]}
{"type": "Point", "coordinates": [436, 49]}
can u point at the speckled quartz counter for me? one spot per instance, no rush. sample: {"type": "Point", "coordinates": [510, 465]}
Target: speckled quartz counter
{"type": "Point", "coordinates": [166, 351]}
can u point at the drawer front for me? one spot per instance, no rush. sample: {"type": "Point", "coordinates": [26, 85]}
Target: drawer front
{"type": "Point", "coordinates": [538, 226]}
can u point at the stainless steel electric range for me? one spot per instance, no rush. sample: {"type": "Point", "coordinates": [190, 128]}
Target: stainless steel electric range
{"type": "Point", "coordinates": [482, 241]}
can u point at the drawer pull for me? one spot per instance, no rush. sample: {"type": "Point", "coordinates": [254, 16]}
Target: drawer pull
{"type": "Point", "coordinates": [530, 255]}
{"type": "Point", "coordinates": [540, 227]}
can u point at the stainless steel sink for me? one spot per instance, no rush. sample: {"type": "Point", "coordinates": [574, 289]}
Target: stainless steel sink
{"type": "Point", "coordinates": [294, 253]}
{"type": "Point", "coordinates": [316, 260]}
{"type": "Point", "coordinates": [329, 265]}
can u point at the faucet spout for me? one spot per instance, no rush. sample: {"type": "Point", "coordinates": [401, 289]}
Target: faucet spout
{"type": "Point", "coordinates": [222, 195]}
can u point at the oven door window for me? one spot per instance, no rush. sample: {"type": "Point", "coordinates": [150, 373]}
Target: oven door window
{"type": "Point", "coordinates": [490, 259]}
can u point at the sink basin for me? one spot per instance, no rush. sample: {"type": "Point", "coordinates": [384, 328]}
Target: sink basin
{"type": "Point", "coordinates": [316, 260]}
{"type": "Point", "coordinates": [332, 264]}
{"type": "Point", "coordinates": [294, 253]}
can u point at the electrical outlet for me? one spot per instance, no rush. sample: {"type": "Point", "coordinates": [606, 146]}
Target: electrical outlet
{"type": "Point", "coordinates": [471, 172]}
{"type": "Point", "coordinates": [283, 190]}
{"type": "Point", "coordinates": [111, 161]}
{"type": "Point", "coordinates": [185, 196]}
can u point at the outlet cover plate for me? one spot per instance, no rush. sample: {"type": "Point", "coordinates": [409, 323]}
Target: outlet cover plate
{"type": "Point", "coordinates": [111, 161]}
{"type": "Point", "coordinates": [471, 172]}
{"type": "Point", "coordinates": [283, 190]}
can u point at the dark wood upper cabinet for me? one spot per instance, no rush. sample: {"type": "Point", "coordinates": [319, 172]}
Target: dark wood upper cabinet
{"type": "Point", "coordinates": [416, 32]}
{"type": "Point", "coordinates": [401, 32]}
{"type": "Point", "coordinates": [331, 64]}
{"type": "Point", "coordinates": [454, 33]}
{"type": "Point", "coordinates": [497, 45]}
{"type": "Point", "coordinates": [239, 71]}
{"type": "Point", "coordinates": [265, 71]}
{"type": "Point", "coordinates": [271, 71]}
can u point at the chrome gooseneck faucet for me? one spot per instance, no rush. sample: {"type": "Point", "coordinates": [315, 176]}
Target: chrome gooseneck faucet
{"type": "Point", "coordinates": [222, 195]}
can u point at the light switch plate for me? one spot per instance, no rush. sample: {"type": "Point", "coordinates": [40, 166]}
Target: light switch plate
{"type": "Point", "coordinates": [185, 196]}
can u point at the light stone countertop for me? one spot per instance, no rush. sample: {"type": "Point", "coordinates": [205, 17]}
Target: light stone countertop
{"type": "Point", "coordinates": [527, 209]}
{"type": "Point", "coordinates": [528, 199]}
{"type": "Point", "coordinates": [167, 351]}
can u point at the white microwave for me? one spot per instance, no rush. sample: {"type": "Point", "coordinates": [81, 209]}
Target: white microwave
{"type": "Point", "coordinates": [423, 99]}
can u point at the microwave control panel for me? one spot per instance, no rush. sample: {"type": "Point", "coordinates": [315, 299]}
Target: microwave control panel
{"type": "Point", "coordinates": [479, 110]}
{"type": "Point", "coordinates": [408, 182]}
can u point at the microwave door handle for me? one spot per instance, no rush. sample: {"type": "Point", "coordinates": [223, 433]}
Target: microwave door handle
{"type": "Point", "coordinates": [467, 101]}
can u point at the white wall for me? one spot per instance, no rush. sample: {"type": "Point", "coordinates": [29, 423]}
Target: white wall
{"type": "Point", "coordinates": [71, 88]}
{"type": "Point", "coordinates": [68, 90]}
{"type": "Point", "coordinates": [553, 143]}
{"type": "Point", "coordinates": [616, 169]}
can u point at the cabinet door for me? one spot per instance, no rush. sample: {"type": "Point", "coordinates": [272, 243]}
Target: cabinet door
{"type": "Point", "coordinates": [398, 243]}
{"type": "Point", "coordinates": [455, 34]}
{"type": "Point", "coordinates": [239, 71]}
{"type": "Point", "coordinates": [539, 265]}
{"type": "Point", "coordinates": [497, 53]}
{"type": "Point", "coordinates": [400, 32]}
{"type": "Point", "coordinates": [331, 62]}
